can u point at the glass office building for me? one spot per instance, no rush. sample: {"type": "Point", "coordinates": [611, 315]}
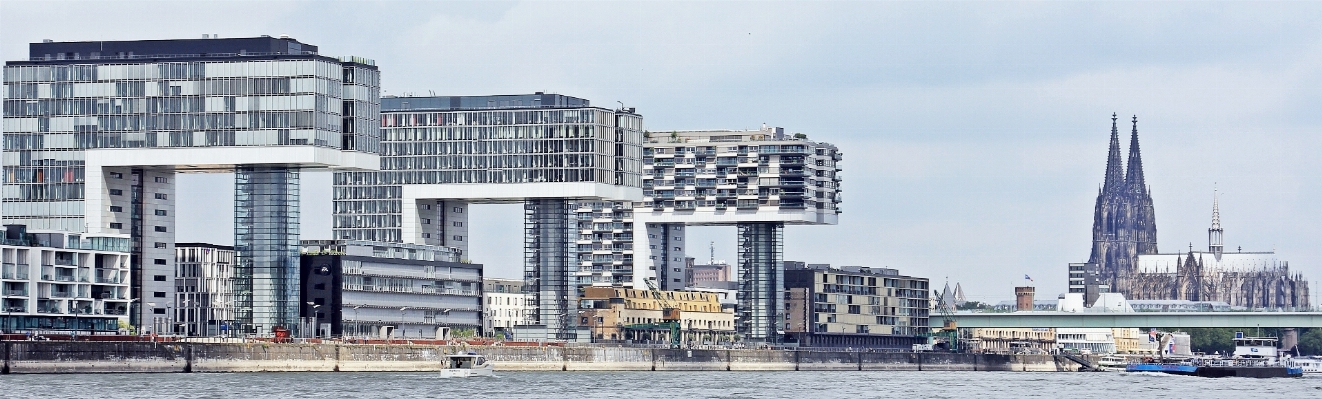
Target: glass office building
{"type": "Point", "coordinates": [534, 138]}
{"type": "Point", "coordinates": [95, 131]}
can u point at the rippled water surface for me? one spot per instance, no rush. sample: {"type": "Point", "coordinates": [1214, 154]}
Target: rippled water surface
{"type": "Point", "coordinates": [786, 384]}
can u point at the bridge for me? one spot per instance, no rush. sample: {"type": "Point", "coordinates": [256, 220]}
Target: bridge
{"type": "Point", "coordinates": [1138, 319]}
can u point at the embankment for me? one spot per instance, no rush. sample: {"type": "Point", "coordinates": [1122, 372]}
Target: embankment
{"type": "Point", "coordinates": [29, 357]}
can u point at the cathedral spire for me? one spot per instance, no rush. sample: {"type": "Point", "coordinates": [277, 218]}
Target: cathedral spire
{"type": "Point", "coordinates": [1114, 167]}
{"type": "Point", "coordinates": [1134, 176]}
{"type": "Point", "coordinates": [1214, 234]}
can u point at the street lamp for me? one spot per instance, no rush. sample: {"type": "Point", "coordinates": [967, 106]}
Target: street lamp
{"type": "Point", "coordinates": [356, 323]}
{"type": "Point", "coordinates": [312, 319]}
{"type": "Point", "coordinates": [401, 321]}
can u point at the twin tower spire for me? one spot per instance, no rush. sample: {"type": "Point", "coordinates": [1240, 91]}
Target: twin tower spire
{"type": "Point", "coordinates": [1118, 178]}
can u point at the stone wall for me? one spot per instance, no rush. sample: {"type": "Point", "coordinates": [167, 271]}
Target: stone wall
{"type": "Point", "coordinates": [148, 357]}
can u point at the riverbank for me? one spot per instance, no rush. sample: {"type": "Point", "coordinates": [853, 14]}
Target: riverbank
{"type": "Point", "coordinates": [33, 357]}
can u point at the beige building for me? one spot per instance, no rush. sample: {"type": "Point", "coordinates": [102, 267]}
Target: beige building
{"type": "Point", "coordinates": [1009, 340]}
{"type": "Point", "coordinates": [623, 314]}
{"type": "Point", "coordinates": [1133, 341]}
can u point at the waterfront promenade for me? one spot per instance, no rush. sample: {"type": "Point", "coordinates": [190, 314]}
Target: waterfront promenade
{"type": "Point", "coordinates": [35, 357]}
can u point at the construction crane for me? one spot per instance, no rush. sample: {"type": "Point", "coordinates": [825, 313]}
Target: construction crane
{"type": "Point", "coordinates": [949, 331]}
{"type": "Point", "coordinates": [670, 316]}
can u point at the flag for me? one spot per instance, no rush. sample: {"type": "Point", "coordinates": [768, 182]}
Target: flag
{"type": "Point", "coordinates": [1028, 278]}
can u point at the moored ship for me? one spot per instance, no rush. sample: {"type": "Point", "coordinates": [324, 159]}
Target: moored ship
{"type": "Point", "coordinates": [1254, 357]}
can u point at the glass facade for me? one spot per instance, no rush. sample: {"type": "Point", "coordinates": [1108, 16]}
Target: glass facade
{"type": "Point", "coordinates": [71, 97]}
{"type": "Point", "coordinates": [761, 282]}
{"type": "Point", "coordinates": [52, 113]}
{"type": "Point", "coordinates": [546, 272]}
{"type": "Point", "coordinates": [731, 171]}
{"type": "Point", "coordinates": [266, 242]}
{"type": "Point", "coordinates": [448, 140]}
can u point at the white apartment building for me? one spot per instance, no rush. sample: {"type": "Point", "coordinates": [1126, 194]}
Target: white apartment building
{"type": "Point", "coordinates": [64, 282]}
{"type": "Point", "coordinates": [758, 180]}
{"type": "Point", "coordinates": [506, 305]}
{"type": "Point", "coordinates": [204, 289]}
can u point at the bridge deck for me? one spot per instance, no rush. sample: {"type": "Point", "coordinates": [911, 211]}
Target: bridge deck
{"type": "Point", "coordinates": [1138, 319]}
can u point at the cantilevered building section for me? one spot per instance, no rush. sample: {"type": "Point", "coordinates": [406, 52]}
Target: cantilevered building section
{"type": "Point", "coordinates": [95, 132]}
{"type": "Point", "coordinates": [757, 180]}
{"type": "Point", "coordinates": [556, 154]}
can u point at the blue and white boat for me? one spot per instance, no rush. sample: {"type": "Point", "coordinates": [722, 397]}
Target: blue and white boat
{"type": "Point", "coordinates": [1254, 357]}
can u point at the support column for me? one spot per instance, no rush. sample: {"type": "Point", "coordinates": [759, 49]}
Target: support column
{"type": "Point", "coordinates": [761, 282]}
{"type": "Point", "coordinates": [266, 237]}
{"type": "Point", "coordinates": [547, 266]}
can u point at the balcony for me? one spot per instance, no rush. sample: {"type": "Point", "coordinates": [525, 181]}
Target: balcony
{"type": "Point", "coordinates": [15, 292]}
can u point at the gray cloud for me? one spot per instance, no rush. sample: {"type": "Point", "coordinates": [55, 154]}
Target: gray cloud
{"type": "Point", "coordinates": [974, 133]}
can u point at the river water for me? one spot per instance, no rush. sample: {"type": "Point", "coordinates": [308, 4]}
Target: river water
{"type": "Point", "coordinates": [669, 384]}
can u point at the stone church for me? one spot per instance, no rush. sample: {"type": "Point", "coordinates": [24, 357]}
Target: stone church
{"type": "Point", "coordinates": [1124, 255]}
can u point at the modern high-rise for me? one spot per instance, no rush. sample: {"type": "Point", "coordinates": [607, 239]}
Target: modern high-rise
{"type": "Point", "coordinates": [96, 131]}
{"type": "Point", "coordinates": [757, 180]}
{"type": "Point", "coordinates": [557, 155]}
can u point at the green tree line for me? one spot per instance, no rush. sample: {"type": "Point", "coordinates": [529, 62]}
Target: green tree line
{"type": "Point", "coordinates": [1221, 340]}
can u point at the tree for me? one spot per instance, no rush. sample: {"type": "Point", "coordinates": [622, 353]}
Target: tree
{"type": "Point", "coordinates": [1310, 341]}
{"type": "Point", "coordinates": [800, 136]}
{"type": "Point", "coordinates": [970, 305]}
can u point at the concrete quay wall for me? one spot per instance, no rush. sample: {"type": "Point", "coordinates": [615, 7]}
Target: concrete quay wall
{"type": "Point", "coordinates": [147, 357]}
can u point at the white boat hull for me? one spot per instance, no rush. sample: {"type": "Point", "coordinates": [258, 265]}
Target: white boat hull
{"type": "Point", "coordinates": [480, 371]}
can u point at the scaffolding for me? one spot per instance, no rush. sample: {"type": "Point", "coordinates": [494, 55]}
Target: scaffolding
{"type": "Point", "coordinates": [548, 242]}
{"type": "Point", "coordinates": [761, 282]}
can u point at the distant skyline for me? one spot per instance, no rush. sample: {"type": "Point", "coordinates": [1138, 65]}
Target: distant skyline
{"type": "Point", "coordinates": [974, 134]}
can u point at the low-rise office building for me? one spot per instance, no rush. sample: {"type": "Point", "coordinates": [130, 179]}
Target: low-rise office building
{"type": "Point", "coordinates": [1009, 340]}
{"type": "Point", "coordinates": [66, 282]}
{"type": "Point", "coordinates": [625, 314]}
{"type": "Point", "coordinates": [854, 306]}
{"type": "Point", "coordinates": [204, 289]}
{"type": "Point", "coordinates": [506, 306]}
{"type": "Point", "coordinates": [388, 290]}
{"type": "Point", "coordinates": [1098, 341]}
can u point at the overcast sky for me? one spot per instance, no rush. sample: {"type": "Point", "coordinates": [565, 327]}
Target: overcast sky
{"type": "Point", "coordinates": [974, 134]}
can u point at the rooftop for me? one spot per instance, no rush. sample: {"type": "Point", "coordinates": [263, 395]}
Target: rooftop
{"type": "Point", "coordinates": [461, 103]}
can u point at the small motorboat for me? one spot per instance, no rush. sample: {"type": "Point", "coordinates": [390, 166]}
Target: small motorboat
{"type": "Point", "coordinates": [466, 365]}
{"type": "Point", "coordinates": [1112, 363]}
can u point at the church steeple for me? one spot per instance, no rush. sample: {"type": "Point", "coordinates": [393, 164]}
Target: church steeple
{"type": "Point", "coordinates": [1114, 167]}
{"type": "Point", "coordinates": [1214, 234]}
{"type": "Point", "coordinates": [1134, 176]}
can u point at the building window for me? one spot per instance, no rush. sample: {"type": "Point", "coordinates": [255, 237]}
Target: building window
{"type": "Point", "coordinates": [117, 175]}
{"type": "Point", "coordinates": [160, 229]}
{"type": "Point", "coordinates": [116, 208]}
{"type": "Point", "coordinates": [115, 191]}
{"type": "Point", "coordinates": [116, 225]}
{"type": "Point", "coordinates": [458, 210]}
{"type": "Point", "coordinates": [158, 311]}
{"type": "Point", "coordinates": [458, 224]}
{"type": "Point", "coordinates": [161, 245]}
{"type": "Point", "coordinates": [159, 261]}
{"type": "Point", "coordinates": [426, 235]}
{"type": "Point", "coordinates": [161, 196]}
{"type": "Point", "coordinates": [161, 212]}
{"type": "Point", "coordinates": [162, 179]}
{"type": "Point", "coordinates": [158, 277]}
{"type": "Point", "coordinates": [426, 221]}
{"type": "Point", "coordinates": [458, 238]}
{"type": "Point", "coordinates": [158, 294]}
